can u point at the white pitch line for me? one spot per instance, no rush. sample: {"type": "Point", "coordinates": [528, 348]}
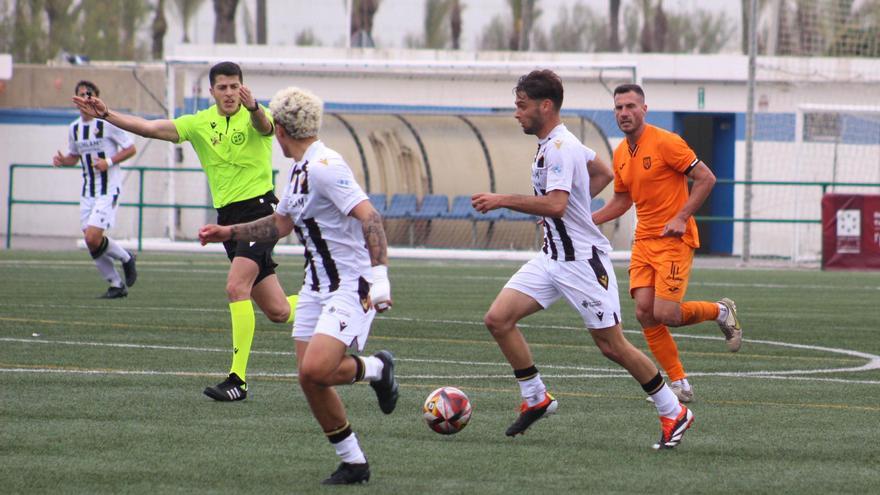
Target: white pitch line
{"type": "Point", "coordinates": [222, 269]}
{"type": "Point", "coordinates": [872, 364]}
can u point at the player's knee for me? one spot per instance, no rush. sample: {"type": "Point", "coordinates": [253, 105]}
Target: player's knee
{"type": "Point", "coordinates": [93, 241]}
{"type": "Point", "coordinates": [237, 292]}
{"type": "Point", "coordinates": [645, 316]}
{"type": "Point", "coordinates": [496, 322]}
{"type": "Point", "coordinates": [280, 316]}
{"type": "Point", "coordinates": [313, 376]}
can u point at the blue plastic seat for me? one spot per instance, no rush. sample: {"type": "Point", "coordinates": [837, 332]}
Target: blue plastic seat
{"type": "Point", "coordinates": [402, 206]}
{"type": "Point", "coordinates": [379, 202]}
{"type": "Point", "coordinates": [433, 206]}
{"type": "Point", "coordinates": [461, 209]}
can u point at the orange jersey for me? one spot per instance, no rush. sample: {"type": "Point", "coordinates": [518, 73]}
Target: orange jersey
{"type": "Point", "coordinates": [654, 177]}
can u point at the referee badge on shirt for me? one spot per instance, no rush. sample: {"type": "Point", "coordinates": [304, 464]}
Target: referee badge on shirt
{"type": "Point", "coordinates": [646, 162]}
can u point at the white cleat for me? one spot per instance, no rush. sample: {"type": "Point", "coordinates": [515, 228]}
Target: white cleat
{"type": "Point", "coordinates": [731, 327]}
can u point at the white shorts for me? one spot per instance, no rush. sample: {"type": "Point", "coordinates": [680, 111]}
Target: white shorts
{"type": "Point", "coordinates": [99, 211]}
{"type": "Point", "coordinates": [589, 286]}
{"type": "Point", "coordinates": [339, 314]}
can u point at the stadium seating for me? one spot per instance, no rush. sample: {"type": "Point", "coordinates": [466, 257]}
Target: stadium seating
{"type": "Point", "coordinates": [461, 209]}
{"type": "Point", "coordinates": [434, 206]}
{"type": "Point", "coordinates": [379, 202]}
{"type": "Point", "coordinates": [402, 206]}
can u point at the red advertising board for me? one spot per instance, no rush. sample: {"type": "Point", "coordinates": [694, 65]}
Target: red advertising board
{"type": "Point", "coordinates": [851, 232]}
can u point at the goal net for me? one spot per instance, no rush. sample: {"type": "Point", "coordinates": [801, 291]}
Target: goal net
{"type": "Point", "coordinates": [817, 86]}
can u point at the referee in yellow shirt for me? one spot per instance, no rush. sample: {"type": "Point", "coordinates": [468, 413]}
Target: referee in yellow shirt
{"type": "Point", "coordinates": [233, 140]}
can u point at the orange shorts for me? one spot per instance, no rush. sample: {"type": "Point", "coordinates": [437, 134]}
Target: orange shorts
{"type": "Point", "coordinates": [663, 263]}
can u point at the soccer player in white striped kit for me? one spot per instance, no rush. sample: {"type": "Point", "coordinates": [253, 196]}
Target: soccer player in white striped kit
{"type": "Point", "coordinates": [99, 147]}
{"type": "Point", "coordinates": [345, 280]}
{"type": "Point", "coordinates": [573, 264]}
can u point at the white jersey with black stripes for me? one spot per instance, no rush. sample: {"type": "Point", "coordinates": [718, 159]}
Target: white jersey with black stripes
{"type": "Point", "coordinates": [561, 165]}
{"type": "Point", "coordinates": [92, 140]}
{"type": "Point", "coordinates": [320, 193]}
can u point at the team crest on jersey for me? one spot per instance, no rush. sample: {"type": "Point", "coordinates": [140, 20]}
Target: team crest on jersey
{"type": "Point", "coordinates": [237, 138]}
{"type": "Point", "coordinates": [646, 162]}
{"type": "Point", "coordinates": [366, 302]}
{"type": "Point", "coordinates": [323, 161]}
{"type": "Point", "coordinates": [557, 143]}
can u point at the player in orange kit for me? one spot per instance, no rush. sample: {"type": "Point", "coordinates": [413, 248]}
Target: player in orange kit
{"type": "Point", "coordinates": [651, 170]}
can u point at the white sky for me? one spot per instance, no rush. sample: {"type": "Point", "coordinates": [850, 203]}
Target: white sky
{"type": "Point", "coordinates": [396, 19]}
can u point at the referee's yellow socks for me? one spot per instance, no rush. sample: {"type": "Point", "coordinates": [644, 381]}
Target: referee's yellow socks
{"type": "Point", "coordinates": [243, 324]}
{"type": "Point", "coordinates": [292, 299]}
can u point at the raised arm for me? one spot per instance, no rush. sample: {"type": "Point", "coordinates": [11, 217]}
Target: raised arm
{"type": "Point", "coordinates": [157, 129]}
{"type": "Point", "coordinates": [259, 119]}
{"type": "Point", "coordinates": [552, 205]}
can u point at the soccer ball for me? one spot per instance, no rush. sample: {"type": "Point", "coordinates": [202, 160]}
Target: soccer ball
{"type": "Point", "coordinates": [447, 410]}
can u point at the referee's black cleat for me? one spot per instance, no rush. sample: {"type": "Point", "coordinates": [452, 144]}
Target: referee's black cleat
{"type": "Point", "coordinates": [349, 474]}
{"type": "Point", "coordinates": [131, 273]}
{"type": "Point", "coordinates": [386, 386]}
{"type": "Point", "coordinates": [230, 389]}
{"type": "Point", "coordinates": [114, 293]}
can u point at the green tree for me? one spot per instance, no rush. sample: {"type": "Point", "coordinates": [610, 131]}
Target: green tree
{"type": "Point", "coordinates": [580, 29]}
{"type": "Point", "coordinates": [514, 32]}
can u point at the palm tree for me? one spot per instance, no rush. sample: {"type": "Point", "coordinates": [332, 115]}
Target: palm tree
{"type": "Point", "coordinates": [362, 14]}
{"type": "Point", "coordinates": [187, 9]}
{"type": "Point", "coordinates": [158, 30]}
{"type": "Point", "coordinates": [455, 23]}
{"type": "Point", "coordinates": [224, 21]}
{"type": "Point", "coordinates": [614, 24]}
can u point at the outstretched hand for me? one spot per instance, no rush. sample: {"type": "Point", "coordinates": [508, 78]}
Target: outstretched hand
{"type": "Point", "coordinates": [485, 202]}
{"type": "Point", "coordinates": [58, 160]}
{"type": "Point", "coordinates": [214, 233]}
{"type": "Point", "coordinates": [91, 106]}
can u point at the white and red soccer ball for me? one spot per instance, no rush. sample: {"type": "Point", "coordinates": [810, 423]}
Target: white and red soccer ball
{"type": "Point", "coordinates": [447, 410]}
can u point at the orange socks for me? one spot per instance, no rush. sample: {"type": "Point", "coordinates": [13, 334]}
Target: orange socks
{"type": "Point", "coordinates": [665, 351]}
{"type": "Point", "coordinates": [697, 311]}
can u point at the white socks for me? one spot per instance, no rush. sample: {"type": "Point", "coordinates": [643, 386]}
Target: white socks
{"type": "Point", "coordinates": [349, 450]}
{"type": "Point", "coordinates": [722, 313]}
{"type": "Point", "coordinates": [666, 402]}
{"type": "Point", "coordinates": [115, 251]}
{"type": "Point", "coordinates": [373, 367]}
{"type": "Point", "coordinates": [532, 390]}
{"type": "Point", "coordinates": [107, 270]}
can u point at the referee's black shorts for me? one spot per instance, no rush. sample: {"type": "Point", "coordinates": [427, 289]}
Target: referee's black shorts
{"type": "Point", "coordinates": [249, 210]}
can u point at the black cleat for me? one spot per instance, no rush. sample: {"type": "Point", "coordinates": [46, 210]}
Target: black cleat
{"type": "Point", "coordinates": [386, 387]}
{"type": "Point", "coordinates": [131, 273]}
{"type": "Point", "coordinates": [114, 293]}
{"type": "Point", "coordinates": [528, 415]}
{"type": "Point", "coordinates": [230, 389]}
{"type": "Point", "coordinates": [349, 474]}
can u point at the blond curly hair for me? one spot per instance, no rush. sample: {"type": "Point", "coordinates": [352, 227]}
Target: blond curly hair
{"type": "Point", "coordinates": [298, 111]}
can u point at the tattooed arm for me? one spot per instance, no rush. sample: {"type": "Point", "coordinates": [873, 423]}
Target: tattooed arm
{"type": "Point", "coordinates": [377, 245]}
{"type": "Point", "coordinates": [266, 229]}
{"type": "Point", "coordinates": [374, 232]}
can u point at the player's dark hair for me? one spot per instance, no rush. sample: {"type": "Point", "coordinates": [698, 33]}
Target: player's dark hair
{"type": "Point", "coordinates": [89, 85]}
{"type": "Point", "coordinates": [626, 88]}
{"type": "Point", "coordinates": [541, 85]}
{"type": "Point", "coordinates": [225, 69]}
